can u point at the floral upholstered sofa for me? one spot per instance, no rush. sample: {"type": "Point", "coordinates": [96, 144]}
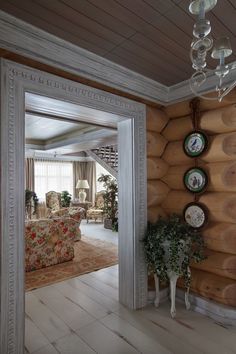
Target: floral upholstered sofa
{"type": "Point", "coordinates": [49, 242]}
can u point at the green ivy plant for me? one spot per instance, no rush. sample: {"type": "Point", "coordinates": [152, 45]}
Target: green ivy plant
{"type": "Point", "coordinates": [65, 199]}
{"type": "Point", "coordinates": [171, 244]}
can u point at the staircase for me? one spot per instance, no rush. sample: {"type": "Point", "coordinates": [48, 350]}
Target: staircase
{"type": "Point", "coordinates": [107, 157]}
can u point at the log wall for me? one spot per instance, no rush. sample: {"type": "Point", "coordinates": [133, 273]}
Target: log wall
{"type": "Point", "coordinates": [215, 278]}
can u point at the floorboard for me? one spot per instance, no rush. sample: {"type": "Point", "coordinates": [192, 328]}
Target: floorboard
{"type": "Point", "coordinates": [83, 316]}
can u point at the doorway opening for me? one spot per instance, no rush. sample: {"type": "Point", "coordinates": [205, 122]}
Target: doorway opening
{"type": "Point", "coordinates": [16, 80]}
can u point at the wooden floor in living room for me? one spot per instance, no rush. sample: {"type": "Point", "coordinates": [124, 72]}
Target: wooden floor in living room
{"type": "Point", "coordinates": [82, 315]}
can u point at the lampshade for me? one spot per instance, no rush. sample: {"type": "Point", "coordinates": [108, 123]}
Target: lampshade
{"type": "Point", "coordinates": [82, 184]}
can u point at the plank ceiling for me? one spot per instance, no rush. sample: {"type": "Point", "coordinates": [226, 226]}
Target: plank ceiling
{"type": "Point", "coordinates": [151, 37]}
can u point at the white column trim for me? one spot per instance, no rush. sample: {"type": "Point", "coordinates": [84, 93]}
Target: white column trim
{"type": "Point", "coordinates": [17, 79]}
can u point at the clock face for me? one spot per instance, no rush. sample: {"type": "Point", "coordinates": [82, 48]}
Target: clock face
{"type": "Point", "coordinates": [195, 215]}
{"type": "Point", "coordinates": [195, 180]}
{"type": "Point", "coordinates": [195, 144]}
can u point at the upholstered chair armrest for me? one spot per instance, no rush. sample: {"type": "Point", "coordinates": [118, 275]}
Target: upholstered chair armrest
{"type": "Point", "coordinates": [60, 212]}
{"type": "Point", "coordinates": [76, 213]}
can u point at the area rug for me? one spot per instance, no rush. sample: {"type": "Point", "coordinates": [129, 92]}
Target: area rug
{"type": "Point", "coordinates": [90, 255]}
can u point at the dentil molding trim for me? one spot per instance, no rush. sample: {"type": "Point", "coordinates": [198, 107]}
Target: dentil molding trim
{"type": "Point", "coordinates": [17, 79]}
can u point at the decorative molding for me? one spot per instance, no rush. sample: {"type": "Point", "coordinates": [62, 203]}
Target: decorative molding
{"type": "Point", "coordinates": [12, 215]}
{"type": "Point", "coordinates": [182, 91]}
{"type": "Point", "coordinates": [27, 40]}
{"type": "Point", "coordinates": [24, 39]}
{"type": "Point", "coordinates": [17, 79]}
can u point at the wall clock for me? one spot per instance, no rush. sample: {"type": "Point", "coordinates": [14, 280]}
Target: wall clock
{"type": "Point", "coordinates": [195, 180]}
{"type": "Point", "coordinates": [195, 143]}
{"type": "Point", "coordinates": [195, 214]}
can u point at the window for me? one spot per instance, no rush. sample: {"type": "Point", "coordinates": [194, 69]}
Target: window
{"type": "Point", "coordinates": [100, 170]}
{"type": "Point", "coordinates": [53, 176]}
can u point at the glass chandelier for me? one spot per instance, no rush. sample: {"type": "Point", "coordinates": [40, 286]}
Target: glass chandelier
{"type": "Point", "coordinates": [202, 43]}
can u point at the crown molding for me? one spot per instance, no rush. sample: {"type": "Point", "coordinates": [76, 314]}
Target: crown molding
{"type": "Point", "coordinates": [182, 91]}
{"type": "Point", "coordinates": [24, 39]}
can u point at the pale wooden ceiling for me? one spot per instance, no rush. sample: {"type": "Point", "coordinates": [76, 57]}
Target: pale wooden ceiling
{"type": "Point", "coordinates": [151, 37]}
{"type": "Point", "coordinates": [63, 128]}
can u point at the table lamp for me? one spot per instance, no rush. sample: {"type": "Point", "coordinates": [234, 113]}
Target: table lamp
{"type": "Point", "coordinates": [82, 184]}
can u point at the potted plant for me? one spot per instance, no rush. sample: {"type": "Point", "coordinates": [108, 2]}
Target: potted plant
{"type": "Point", "coordinates": [170, 246]}
{"type": "Point", "coordinates": [31, 203]}
{"type": "Point", "coordinates": [65, 199]}
{"type": "Point", "coordinates": [110, 201]}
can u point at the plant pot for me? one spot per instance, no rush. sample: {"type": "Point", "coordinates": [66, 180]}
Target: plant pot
{"type": "Point", "coordinates": [108, 223]}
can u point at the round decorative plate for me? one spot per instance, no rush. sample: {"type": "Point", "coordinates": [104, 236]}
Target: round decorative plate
{"type": "Point", "coordinates": [195, 215]}
{"type": "Point", "coordinates": [195, 143]}
{"type": "Point", "coordinates": [195, 180]}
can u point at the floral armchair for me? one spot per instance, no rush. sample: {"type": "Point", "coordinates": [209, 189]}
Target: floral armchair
{"type": "Point", "coordinates": [54, 210]}
{"type": "Point", "coordinates": [53, 203]}
{"type": "Point", "coordinates": [96, 211]}
{"type": "Point", "coordinates": [49, 242]}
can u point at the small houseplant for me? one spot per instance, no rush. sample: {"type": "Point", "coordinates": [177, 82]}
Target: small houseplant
{"type": "Point", "coordinates": [110, 201]}
{"type": "Point", "coordinates": [31, 203]}
{"type": "Point", "coordinates": [172, 244]}
{"type": "Point", "coordinates": [65, 199]}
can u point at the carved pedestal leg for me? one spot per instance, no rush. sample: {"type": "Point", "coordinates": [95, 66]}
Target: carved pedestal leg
{"type": "Point", "coordinates": [157, 299]}
{"type": "Point", "coordinates": [187, 302]}
{"type": "Point", "coordinates": [173, 280]}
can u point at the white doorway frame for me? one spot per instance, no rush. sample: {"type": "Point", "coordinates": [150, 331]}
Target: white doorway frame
{"type": "Point", "coordinates": [17, 79]}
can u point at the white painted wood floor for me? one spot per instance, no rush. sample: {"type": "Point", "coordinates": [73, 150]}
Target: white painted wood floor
{"type": "Point", "coordinates": [82, 316]}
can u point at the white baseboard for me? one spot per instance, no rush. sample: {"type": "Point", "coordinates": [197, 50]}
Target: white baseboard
{"type": "Point", "coordinates": [225, 315]}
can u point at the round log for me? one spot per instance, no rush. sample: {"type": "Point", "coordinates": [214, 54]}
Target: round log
{"type": "Point", "coordinates": [156, 192]}
{"type": "Point", "coordinates": [179, 109]}
{"type": "Point", "coordinates": [155, 213]}
{"type": "Point", "coordinates": [176, 201]}
{"type": "Point", "coordinates": [207, 105]}
{"type": "Point", "coordinates": [174, 154]}
{"type": "Point", "coordinates": [156, 168]}
{"type": "Point", "coordinates": [156, 119]}
{"type": "Point", "coordinates": [223, 264]}
{"type": "Point", "coordinates": [219, 120]}
{"type": "Point", "coordinates": [221, 237]}
{"type": "Point", "coordinates": [221, 206]}
{"type": "Point", "coordinates": [177, 129]}
{"type": "Point", "coordinates": [175, 175]}
{"type": "Point", "coordinates": [182, 109]}
{"type": "Point", "coordinates": [156, 144]}
{"type": "Point", "coordinates": [213, 287]}
{"type": "Point", "coordinates": [222, 176]}
{"type": "Point", "coordinates": [222, 147]}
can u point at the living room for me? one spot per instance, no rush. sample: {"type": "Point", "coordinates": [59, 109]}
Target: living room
{"type": "Point", "coordinates": [67, 198]}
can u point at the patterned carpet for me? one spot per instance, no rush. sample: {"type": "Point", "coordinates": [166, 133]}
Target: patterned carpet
{"type": "Point", "coordinates": [90, 255]}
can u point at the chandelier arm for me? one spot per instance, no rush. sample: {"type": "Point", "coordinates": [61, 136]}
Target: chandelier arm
{"type": "Point", "coordinates": [233, 85]}
{"type": "Point", "coordinates": [216, 98]}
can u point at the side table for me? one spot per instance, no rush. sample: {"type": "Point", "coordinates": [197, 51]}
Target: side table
{"type": "Point", "coordinates": [85, 206]}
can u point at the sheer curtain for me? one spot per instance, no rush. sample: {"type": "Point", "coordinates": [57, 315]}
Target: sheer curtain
{"type": "Point", "coordinates": [85, 170]}
{"type": "Point", "coordinates": [53, 176]}
{"type": "Point", "coordinates": [29, 174]}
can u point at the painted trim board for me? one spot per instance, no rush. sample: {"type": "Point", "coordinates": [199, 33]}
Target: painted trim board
{"type": "Point", "coordinates": [17, 79]}
{"type": "Point", "coordinates": [24, 39]}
